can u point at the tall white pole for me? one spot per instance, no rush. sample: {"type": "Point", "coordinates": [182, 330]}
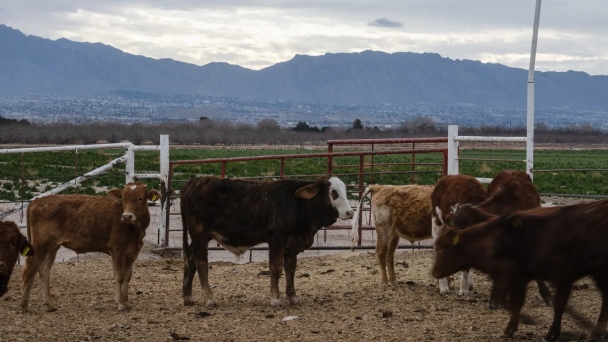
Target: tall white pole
{"type": "Point", "coordinates": [164, 179]}
{"type": "Point", "coordinates": [530, 109]}
{"type": "Point", "coordinates": [452, 150]}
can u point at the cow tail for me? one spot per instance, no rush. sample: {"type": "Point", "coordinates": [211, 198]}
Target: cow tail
{"type": "Point", "coordinates": [355, 223]}
{"type": "Point", "coordinates": [185, 246]}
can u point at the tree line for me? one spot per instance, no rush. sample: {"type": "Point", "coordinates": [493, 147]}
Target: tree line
{"type": "Point", "coordinates": [265, 132]}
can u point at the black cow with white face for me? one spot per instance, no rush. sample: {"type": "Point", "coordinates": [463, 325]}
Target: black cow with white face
{"type": "Point", "coordinates": [240, 214]}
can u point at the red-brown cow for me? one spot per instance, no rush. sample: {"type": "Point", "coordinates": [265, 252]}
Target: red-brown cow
{"type": "Point", "coordinates": [557, 244]}
{"type": "Point", "coordinates": [114, 224]}
{"type": "Point", "coordinates": [240, 214]}
{"type": "Point", "coordinates": [508, 192]}
{"type": "Point", "coordinates": [450, 193]}
{"type": "Point", "coordinates": [12, 243]}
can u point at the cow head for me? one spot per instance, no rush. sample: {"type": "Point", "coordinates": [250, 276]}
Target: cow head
{"type": "Point", "coordinates": [335, 192]}
{"type": "Point", "coordinates": [449, 258]}
{"type": "Point", "coordinates": [468, 215]}
{"type": "Point", "coordinates": [135, 198]}
{"type": "Point", "coordinates": [12, 243]}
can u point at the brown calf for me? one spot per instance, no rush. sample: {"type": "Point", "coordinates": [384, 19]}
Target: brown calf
{"type": "Point", "coordinates": [12, 243]}
{"type": "Point", "coordinates": [398, 212]}
{"type": "Point", "coordinates": [114, 224]}
{"type": "Point", "coordinates": [508, 192]}
{"type": "Point", "coordinates": [560, 245]}
{"type": "Point", "coordinates": [451, 192]}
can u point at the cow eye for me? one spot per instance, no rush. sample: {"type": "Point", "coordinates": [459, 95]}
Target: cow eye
{"type": "Point", "coordinates": [334, 194]}
{"type": "Point", "coordinates": [141, 199]}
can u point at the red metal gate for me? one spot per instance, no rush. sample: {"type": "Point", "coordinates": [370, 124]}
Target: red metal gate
{"type": "Point", "coordinates": [330, 155]}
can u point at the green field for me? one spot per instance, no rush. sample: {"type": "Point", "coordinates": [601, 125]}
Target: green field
{"type": "Point", "coordinates": [42, 171]}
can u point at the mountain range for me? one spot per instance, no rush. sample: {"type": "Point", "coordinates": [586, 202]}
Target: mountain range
{"type": "Point", "coordinates": [34, 65]}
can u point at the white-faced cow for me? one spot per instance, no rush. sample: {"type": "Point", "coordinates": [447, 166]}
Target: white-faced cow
{"type": "Point", "coordinates": [12, 243]}
{"type": "Point", "coordinates": [240, 214]}
{"type": "Point", "coordinates": [508, 192]}
{"type": "Point", "coordinates": [451, 192]}
{"type": "Point", "coordinates": [399, 212]}
{"type": "Point", "coordinates": [114, 224]}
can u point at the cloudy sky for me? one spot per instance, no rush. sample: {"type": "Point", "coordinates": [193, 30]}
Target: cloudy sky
{"type": "Point", "coordinates": [259, 33]}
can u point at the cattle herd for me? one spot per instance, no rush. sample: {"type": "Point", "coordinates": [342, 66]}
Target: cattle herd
{"type": "Point", "coordinates": [502, 231]}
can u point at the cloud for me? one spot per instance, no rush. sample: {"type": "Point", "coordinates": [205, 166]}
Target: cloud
{"type": "Point", "coordinates": [383, 22]}
{"type": "Point", "coordinates": [258, 33]}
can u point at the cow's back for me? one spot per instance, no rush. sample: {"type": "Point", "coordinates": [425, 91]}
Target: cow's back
{"type": "Point", "coordinates": [407, 206]}
{"type": "Point", "coordinates": [510, 191]}
{"type": "Point", "coordinates": [74, 221]}
{"type": "Point", "coordinates": [245, 212]}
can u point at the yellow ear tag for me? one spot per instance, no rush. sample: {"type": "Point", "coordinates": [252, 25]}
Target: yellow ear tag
{"type": "Point", "coordinates": [456, 239]}
{"type": "Point", "coordinates": [518, 222]}
{"type": "Point", "coordinates": [25, 250]}
{"type": "Point", "coordinates": [154, 197]}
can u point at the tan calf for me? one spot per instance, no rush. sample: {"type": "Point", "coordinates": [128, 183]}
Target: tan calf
{"type": "Point", "coordinates": [402, 211]}
{"type": "Point", "coordinates": [114, 224]}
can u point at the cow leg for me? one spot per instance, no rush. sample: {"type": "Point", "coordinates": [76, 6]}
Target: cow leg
{"type": "Point", "coordinates": [189, 271]}
{"type": "Point", "coordinates": [436, 226]}
{"type": "Point", "coordinates": [45, 277]}
{"type": "Point", "coordinates": [600, 328]}
{"type": "Point", "coordinates": [543, 289]}
{"type": "Point", "coordinates": [382, 242]}
{"type": "Point", "coordinates": [276, 255]}
{"type": "Point", "coordinates": [390, 260]}
{"type": "Point", "coordinates": [562, 293]}
{"type": "Point", "coordinates": [125, 284]}
{"type": "Point", "coordinates": [119, 266]}
{"type": "Point", "coordinates": [290, 264]}
{"type": "Point", "coordinates": [201, 260]}
{"type": "Point", "coordinates": [466, 283]}
{"type": "Point", "coordinates": [32, 264]}
{"type": "Point", "coordinates": [516, 302]}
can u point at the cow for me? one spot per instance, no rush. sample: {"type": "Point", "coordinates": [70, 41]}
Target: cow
{"type": "Point", "coordinates": [560, 245]}
{"type": "Point", "coordinates": [557, 244]}
{"type": "Point", "coordinates": [240, 214]}
{"type": "Point", "coordinates": [12, 244]}
{"type": "Point", "coordinates": [114, 224]}
{"type": "Point", "coordinates": [451, 192]}
{"type": "Point", "coordinates": [509, 191]}
{"type": "Point", "coordinates": [399, 212]}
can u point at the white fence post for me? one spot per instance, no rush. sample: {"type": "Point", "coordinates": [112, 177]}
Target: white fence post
{"type": "Point", "coordinates": [452, 150]}
{"type": "Point", "coordinates": [164, 180]}
{"type": "Point", "coordinates": [130, 165]}
{"type": "Point", "coordinates": [530, 106]}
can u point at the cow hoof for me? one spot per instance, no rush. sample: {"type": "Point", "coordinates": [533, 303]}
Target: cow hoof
{"type": "Point", "coordinates": [492, 306]}
{"type": "Point", "coordinates": [210, 303]}
{"type": "Point", "coordinates": [51, 308]}
{"type": "Point", "coordinates": [549, 303]}
{"type": "Point", "coordinates": [444, 291]}
{"type": "Point", "coordinates": [188, 301]}
{"type": "Point", "coordinates": [24, 310]}
{"type": "Point", "coordinates": [122, 307]}
{"type": "Point", "coordinates": [275, 302]}
{"type": "Point", "coordinates": [463, 292]}
{"type": "Point", "coordinates": [293, 300]}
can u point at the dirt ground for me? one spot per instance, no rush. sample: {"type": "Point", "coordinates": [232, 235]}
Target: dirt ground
{"type": "Point", "coordinates": [341, 297]}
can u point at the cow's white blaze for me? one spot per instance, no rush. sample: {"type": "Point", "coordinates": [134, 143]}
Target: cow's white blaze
{"type": "Point", "coordinates": [341, 202]}
{"type": "Point", "coordinates": [133, 187]}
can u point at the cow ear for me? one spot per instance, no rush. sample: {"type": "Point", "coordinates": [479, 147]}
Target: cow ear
{"type": "Point", "coordinates": [308, 191]}
{"type": "Point", "coordinates": [114, 193]}
{"type": "Point", "coordinates": [24, 247]}
{"type": "Point", "coordinates": [154, 195]}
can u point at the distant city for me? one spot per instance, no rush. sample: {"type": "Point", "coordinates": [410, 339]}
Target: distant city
{"type": "Point", "coordinates": [146, 108]}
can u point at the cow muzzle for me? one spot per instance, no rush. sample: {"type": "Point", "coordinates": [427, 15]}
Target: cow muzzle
{"type": "Point", "coordinates": [128, 218]}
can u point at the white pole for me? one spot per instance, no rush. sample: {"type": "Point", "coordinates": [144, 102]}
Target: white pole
{"type": "Point", "coordinates": [164, 179]}
{"type": "Point", "coordinates": [452, 150]}
{"type": "Point", "coordinates": [130, 165]}
{"type": "Point", "coordinates": [530, 121]}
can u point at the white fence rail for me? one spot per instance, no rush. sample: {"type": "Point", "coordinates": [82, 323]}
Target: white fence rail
{"type": "Point", "coordinates": [128, 159]}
